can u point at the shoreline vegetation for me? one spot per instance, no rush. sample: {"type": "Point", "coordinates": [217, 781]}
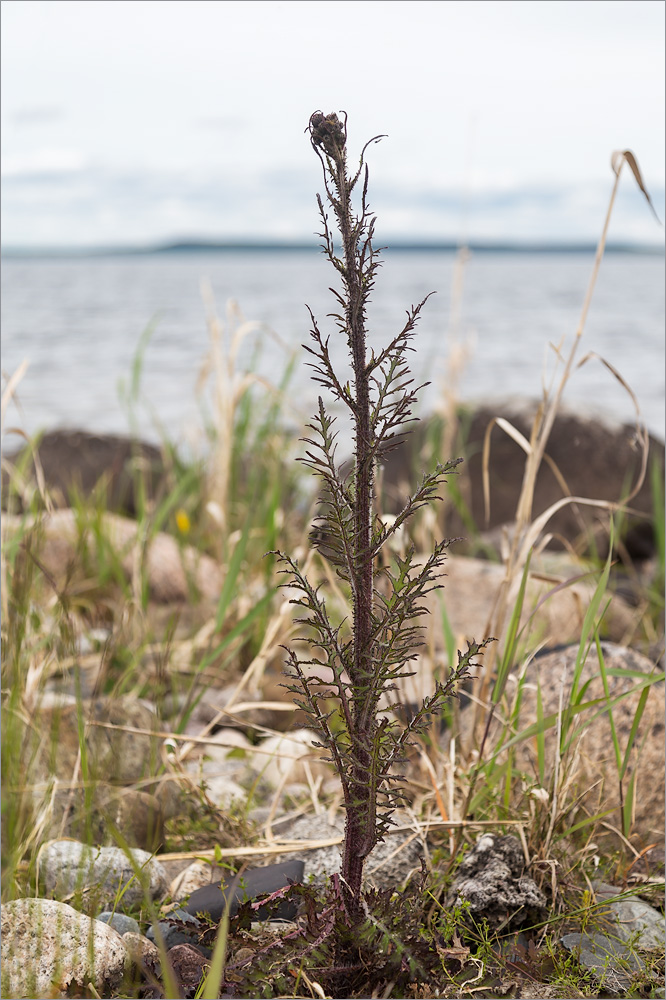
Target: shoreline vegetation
{"type": "Point", "coordinates": [151, 757]}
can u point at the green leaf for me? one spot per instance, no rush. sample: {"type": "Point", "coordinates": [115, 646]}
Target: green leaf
{"type": "Point", "coordinates": [213, 981]}
{"type": "Point", "coordinates": [509, 656]}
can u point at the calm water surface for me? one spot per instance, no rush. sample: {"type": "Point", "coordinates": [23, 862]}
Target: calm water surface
{"type": "Point", "coordinates": [78, 322]}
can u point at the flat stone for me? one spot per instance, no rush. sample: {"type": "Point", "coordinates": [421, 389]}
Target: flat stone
{"type": "Point", "coordinates": [213, 899]}
{"type": "Point", "coordinates": [98, 874]}
{"type": "Point", "coordinates": [639, 921]}
{"type": "Point", "coordinates": [632, 919]}
{"type": "Point", "coordinates": [48, 948]}
{"type": "Point", "coordinates": [607, 957]}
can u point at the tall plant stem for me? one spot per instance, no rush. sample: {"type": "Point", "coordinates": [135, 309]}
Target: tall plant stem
{"type": "Point", "coordinates": [363, 745]}
{"type": "Point", "coordinates": [361, 814]}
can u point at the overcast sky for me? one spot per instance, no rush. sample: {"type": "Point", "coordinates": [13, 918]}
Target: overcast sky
{"type": "Point", "coordinates": [132, 122]}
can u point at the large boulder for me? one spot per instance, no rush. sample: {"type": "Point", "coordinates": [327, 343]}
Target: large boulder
{"type": "Point", "coordinates": [100, 876]}
{"type": "Point", "coordinates": [469, 590]}
{"type": "Point", "coordinates": [587, 771]}
{"type": "Point", "coordinates": [63, 544]}
{"type": "Point", "coordinates": [76, 463]}
{"type": "Point", "coordinates": [597, 461]}
{"type": "Point", "coordinates": [50, 949]}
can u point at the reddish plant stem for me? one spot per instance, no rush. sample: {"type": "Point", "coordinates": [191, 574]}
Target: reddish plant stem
{"type": "Point", "coordinates": [361, 813]}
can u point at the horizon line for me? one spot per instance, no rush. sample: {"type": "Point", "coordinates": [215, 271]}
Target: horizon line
{"type": "Point", "coordinates": [196, 245]}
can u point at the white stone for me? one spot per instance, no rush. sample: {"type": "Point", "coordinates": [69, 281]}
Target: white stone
{"type": "Point", "coordinates": [47, 947]}
{"type": "Point", "coordinates": [289, 757]}
{"type": "Point", "coordinates": [100, 873]}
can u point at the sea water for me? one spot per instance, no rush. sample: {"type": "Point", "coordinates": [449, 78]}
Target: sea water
{"type": "Point", "coordinates": [491, 332]}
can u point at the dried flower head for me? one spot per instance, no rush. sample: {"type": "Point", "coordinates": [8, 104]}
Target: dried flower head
{"type": "Point", "coordinates": [328, 132]}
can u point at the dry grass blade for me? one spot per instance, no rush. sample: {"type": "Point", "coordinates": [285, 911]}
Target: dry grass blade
{"type": "Point", "coordinates": [433, 780]}
{"type": "Point", "coordinates": [7, 396]}
{"type": "Point", "coordinates": [620, 156]}
{"type": "Point", "coordinates": [526, 446]}
{"type": "Point", "coordinates": [230, 386]}
{"type": "Point", "coordinates": [641, 430]}
{"type": "Point", "coordinates": [526, 533]}
{"type": "Point", "coordinates": [10, 388]}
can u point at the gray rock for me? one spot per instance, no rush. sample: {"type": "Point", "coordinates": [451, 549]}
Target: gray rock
{"type": "Point", "coordinates": [387, 867]}
{"type": "Point", "coordinates": [594, 783]}
{"type": "Point", "coordinates": [48, 947]}
{"type": "Point", "coordinates": [97, 875]}
{"type": "Point", "coordinates": [492, 881]}
{"type": "Point", "coordinates": [142, 951]}
{"type": "Point", "coordinates": [177, 927]}
{"type": "Point", "coordinates": [120, 922]}
{"type": "Point", "coordinates": [137, 815]}
{"type": "Point", "coordinates": [631, 918]}
{"type": "Point", "coordinates": [606, 957]}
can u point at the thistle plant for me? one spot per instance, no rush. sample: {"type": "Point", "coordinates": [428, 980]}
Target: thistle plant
{"type": "Point", "coordinates": [367, 656]}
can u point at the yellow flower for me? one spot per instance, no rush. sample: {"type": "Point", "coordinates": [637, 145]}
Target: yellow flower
{"type": "Point", "coordinates": [183, 522]}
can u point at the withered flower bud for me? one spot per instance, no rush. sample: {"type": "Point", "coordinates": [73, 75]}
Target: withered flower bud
{"type": "Point", "coordinates": [328, 132]}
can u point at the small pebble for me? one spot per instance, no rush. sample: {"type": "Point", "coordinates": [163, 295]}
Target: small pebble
{"type": "Point", "coordinates": [119, 921]}
{"type": "Point", "coordinates": [177, 927]}
{"type": "Point", "coordinates": [188, 963]}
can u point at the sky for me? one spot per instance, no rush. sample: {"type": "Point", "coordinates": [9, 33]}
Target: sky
{"type": "Point", "coordinates": [130, 123]}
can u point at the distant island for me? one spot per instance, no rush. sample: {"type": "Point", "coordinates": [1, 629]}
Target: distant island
{"type": "Point", "coordinates": [199, 246]}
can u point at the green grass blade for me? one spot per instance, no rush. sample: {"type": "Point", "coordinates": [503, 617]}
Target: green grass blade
{"type": "Point", "coordinates": [591, 622]}
{"type": "Point", "coordinates": [640, 708]}
{"type": "Point", "coordinates": [628, 805]}
{"type": "Point", "coordinates": [169, 504]}
{"type": "Point", "coordinates": [233, 570]}
{"type": "Point", "coordinates": [611, 720]}
{"type": "Point", "coordinates": [549, 721]}
{"type": "Point", "coordinates": [447, 631]}
{"type": "Point", "coordinates": [540, 736]}
{"type": "Point", "coordinates": [591, 619]}
{"type": "Point", "coordinates": [509, 656]}
{"type": "Point", "coordinates": [215, 978]}
{"type": "Point", "coordinates": [238, 629]}
{"type": "Point", "coordinates": [658, 514]}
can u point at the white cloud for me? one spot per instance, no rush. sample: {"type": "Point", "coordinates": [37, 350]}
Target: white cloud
{"type": "Point", "coordinates": [43, 163]}
{"type": "Point", "coordinates": [204, 101]}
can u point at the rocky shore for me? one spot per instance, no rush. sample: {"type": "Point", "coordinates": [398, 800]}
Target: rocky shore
{"type": "Point", "coordinates": [141, 792]}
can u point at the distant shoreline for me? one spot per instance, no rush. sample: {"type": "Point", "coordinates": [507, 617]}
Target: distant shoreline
{"type": "Point", "coordinates": [267, 246]}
